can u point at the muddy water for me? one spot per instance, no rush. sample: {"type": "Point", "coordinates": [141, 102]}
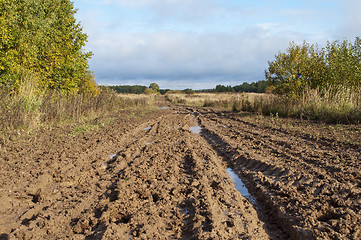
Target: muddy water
{"type": "Point", "coordinates": [196, 129]}
{"type": "Point", "coordinates": [240, 186]}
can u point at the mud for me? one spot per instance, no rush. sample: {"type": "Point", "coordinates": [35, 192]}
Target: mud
{"type": "Point", "coordinates": [169, 180]}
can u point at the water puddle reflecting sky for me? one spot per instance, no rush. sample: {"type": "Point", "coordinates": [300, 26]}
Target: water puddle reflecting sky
{"type": "Point", "coordinates": [240, 186]}
{"type": "Point", "coordinates": [195, 129]}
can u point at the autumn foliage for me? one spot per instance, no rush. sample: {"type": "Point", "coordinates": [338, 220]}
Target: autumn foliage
{"type": "Point", "coordinates": [43, 38]}
{"type": "Point", "coordinates": [338, 65]}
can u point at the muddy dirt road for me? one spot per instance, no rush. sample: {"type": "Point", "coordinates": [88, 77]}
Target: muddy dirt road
{"type": "Point", "coordinates": [167, 179]}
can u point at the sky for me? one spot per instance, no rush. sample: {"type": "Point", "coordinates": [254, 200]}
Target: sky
{"type": "Point", "coordinates": [199, 44]}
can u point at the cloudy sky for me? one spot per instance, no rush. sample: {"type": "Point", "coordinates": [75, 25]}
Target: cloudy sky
{"type": "Point", "coordinates": [201, 43]}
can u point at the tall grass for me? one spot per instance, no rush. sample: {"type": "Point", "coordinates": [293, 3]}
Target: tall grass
{"type": "Point", "coordinates": [20, 109]}
{"type": "Point", "coordinates": [341, 105]}
{"type": "Point", "coordinates": [216, 100]}
{"type": "Point", "coordinates": [29, 108]}
{"type": "Point", "coordinates": [139, 100]}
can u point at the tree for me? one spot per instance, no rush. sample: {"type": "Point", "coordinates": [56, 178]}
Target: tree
{"type": "Point", "coordinates": [154, 87]}
{"type": "Point", "coordinates": [301, 66]}
{"type": "Point", "coordinates": [43, 37]}
{"type": "Point", "coordinates": [149, 91]}
{"type": "Point", "coordinates": [222, 88]}
{"type": "Point", "coordinates": [188, 91]}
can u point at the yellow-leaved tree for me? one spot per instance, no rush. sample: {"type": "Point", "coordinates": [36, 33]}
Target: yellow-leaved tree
{"type": "Point", "coordinates": [43, 37]}
{"type": "Point", "coordinates": [301, 66]}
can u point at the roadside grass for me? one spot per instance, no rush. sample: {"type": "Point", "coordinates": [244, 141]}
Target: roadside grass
{"type": "Point", "coordinates": [84, 128]}
{"type": "Point", "coordinates": [225, 101]}
{"type": "Point", "coordinates": [342, 105]}
{"type": "Point", "coordinates": [139, 100]}
{"type": "Point", "coordinates": [30, 109]}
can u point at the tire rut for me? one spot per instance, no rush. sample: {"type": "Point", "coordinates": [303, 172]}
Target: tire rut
{"type": "Point", "coordinates": [311, 195]}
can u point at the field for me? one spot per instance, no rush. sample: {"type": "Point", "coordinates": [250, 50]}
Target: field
{"type": "Point", "coordinates": [161, 173]}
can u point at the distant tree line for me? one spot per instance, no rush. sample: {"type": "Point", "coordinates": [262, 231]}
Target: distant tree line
{"type": "Point", "coordinates": [257, 87]}
{"type": "Point", "coordinates": [136, 89]}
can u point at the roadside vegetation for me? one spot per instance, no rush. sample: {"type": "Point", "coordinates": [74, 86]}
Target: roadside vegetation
{"type": "Point", "coordinates": [45, 80]}
{"type": "Point", "coordinates": [304, 82]}
{"type": "Point", "coordinates": [322, 84]}
{"type": "Point", "coordinates": [227, 101]}
{"type": "Point", "coordinates": [340, 107]}
{"type": "Point", "coordinates": [44, 76]}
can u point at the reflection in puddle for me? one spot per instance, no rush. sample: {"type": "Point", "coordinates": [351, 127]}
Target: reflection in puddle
{"type": "Point", "coordinates": [148, 128]}
{"type": "Point", "coordinates": [184, 211]}
{"type": "Point", "coordinates": [240, 186]}
{"type": "Point", "coordinates": [196, 129]}
{"type": "Point", "coordinates": [112, 156]}
{"type": "Point", "coordinates": [164, 107]}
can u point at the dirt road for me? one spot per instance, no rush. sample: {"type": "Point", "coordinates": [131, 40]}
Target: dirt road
{"type": "Point", "coordinates": [169, 181]}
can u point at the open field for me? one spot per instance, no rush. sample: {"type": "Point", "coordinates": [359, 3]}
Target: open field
{"type": "Point", "coordinates": [225, 101]}
{"type": "Point", "coordinates": [166, 181]}
{"type": "Point", "coordinates": [339, 105]}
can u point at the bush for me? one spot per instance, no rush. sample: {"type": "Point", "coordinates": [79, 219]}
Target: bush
{"type": "Point", "coordinates": [306, 66]}
{"type": "Point", "coordinates": [149, 91]}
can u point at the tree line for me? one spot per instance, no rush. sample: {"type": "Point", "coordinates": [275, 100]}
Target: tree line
{"type": "Point", "coordinates": [136, 89]}
{"type": "Point", "coordinates": [257, 87]}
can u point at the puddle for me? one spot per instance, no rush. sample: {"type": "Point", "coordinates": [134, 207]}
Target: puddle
{"type": "Point", "coordinates": [196, 129]}
{"type": "Point", "coordinates": [147, 143]}
{"type": "Point", "coordinates": [148, 128]}
{"type": "Point", "coordinates": [240, 186]}
{"type": "Point", "coordinates": [111, 160]}
{"type": "Point", "coordinates": [184, 211]}
{"type": "Point", "coordinates": [164, 107]}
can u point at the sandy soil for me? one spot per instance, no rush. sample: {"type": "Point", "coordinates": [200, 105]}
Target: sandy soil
{"type": "Point", "coordinates": [168, 182]}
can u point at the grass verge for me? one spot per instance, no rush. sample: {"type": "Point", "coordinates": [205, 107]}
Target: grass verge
{"type": "Point", "coordinates": [30, 109]}
{"type": "Point", "coordinates": [342, 105]}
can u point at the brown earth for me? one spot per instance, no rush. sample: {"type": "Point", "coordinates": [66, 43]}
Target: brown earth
{"type": "Point", "coordinates": [167, 182]}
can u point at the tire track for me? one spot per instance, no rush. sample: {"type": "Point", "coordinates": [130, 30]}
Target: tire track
{"type": "Point", "coordinates": [308, 196]}
{"type": "Point", "coordinates": [169, 184]}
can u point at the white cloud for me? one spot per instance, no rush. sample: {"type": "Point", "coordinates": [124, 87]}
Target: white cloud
{"type": "Point", "coordinates": [351, 27]}
{"type": "Point", "coordinates": [174, 56]}
{"type": "Point", "coordinates": [204, 42]}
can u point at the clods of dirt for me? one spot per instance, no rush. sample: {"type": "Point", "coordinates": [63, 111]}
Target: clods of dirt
{"type": "Point", "coordinates": [166, 182]}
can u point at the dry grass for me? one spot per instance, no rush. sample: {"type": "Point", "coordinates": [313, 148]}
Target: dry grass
{"type": "Point", "coordinates": [218, 100]}
{"type": "Point", "coordinates": [139, 100]}
{"type": "Point", "coordinates": [342, 105]}
{"type": "Point", "coordinates": [30, 109]}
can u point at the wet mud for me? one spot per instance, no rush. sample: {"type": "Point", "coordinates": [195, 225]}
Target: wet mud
{"type": "Point", "coordinates": [181, 173]}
